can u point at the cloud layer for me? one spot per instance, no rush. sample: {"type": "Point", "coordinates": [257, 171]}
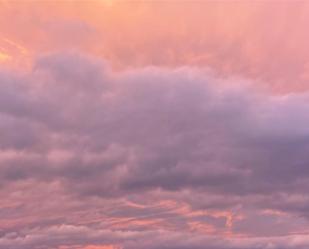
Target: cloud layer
{"type": "Point", "coordinates": [149, 158]}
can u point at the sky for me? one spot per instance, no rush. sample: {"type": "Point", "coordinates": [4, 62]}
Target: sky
{"type": "Point", "coordinates": [154, 124]}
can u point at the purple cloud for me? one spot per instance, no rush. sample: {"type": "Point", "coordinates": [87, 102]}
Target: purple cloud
{"type": "Point", "coordinates": [149, 158]}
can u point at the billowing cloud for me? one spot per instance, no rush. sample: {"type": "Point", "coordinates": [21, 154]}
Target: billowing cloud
{"type": "Point", "coordinates": [149, 158]}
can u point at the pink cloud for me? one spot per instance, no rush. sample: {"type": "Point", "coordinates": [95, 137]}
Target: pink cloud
{"type": "Point", "coordinates": [122, 130]}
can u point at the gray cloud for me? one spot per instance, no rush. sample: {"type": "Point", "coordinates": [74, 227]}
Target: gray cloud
{"type": "Point", "coordinates": [151, 134]}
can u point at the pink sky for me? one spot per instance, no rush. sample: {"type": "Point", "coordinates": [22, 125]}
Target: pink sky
{"type": "Point", "coordinates": [263, 40]}
{"type": "Point", "coordinates": [154, 124]}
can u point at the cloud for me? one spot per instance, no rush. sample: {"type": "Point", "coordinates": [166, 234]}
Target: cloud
{"type": "Point", "coordinates": [149, 158]}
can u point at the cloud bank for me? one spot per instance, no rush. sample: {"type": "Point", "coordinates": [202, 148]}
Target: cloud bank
{"type": "Point", "coordinates": [149, 158]}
